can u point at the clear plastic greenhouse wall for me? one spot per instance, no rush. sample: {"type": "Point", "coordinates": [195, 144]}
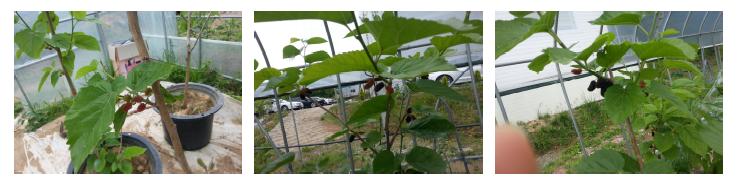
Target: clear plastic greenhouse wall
{"type": "Point", "coordinates": [368, 92]}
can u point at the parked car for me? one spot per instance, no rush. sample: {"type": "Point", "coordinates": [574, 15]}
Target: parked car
{"type": "Point", "coordinates": [320, 101]}
{"type": "Point", "coordinates": [451, 75]}
{"type": "Point", "coordinates": [305, 103]}
{"type": "Point", "coordinates": [329, 101]}
{"type": "Point", "coordinates": [284, 105]}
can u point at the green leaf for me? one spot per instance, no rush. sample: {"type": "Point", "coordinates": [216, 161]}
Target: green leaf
{"type": "Point", "coordinates": [133, 151]}
{"type": "Point", "coordinates": [279, 162]}
{"type": "Point", "coordinates": [385, 162]}
{"type": "Point", "coordinates": [99, 165]}
{"type": "Point", "coordinates": [126, 167]}
{"type": "Point", "coordinates": [664, 141]}
{"type": "Point", "coordinates": [290, 51]}
{"type": "Point", "coordinates": [658, 167]}
{"type": "Point", "coordinates": [426, 160]}
{"type": "Point", "coordinates": [256, 64]}
{"type": "Point", "coordinates": [42, 22]}
{"type": "Point", "coordinates": [47, 72]}
{"type": "Point", "coordinates": [603, 39]}
{"type": "Point", "coordinates": [30, 42]}
{"type": "Point", "coordinates": [294, 39]}
{"type": "Point", "coordinates": [444, 42]}
{"type": "Point", "coordinates": [371, 139]}
{"type": "Point", "coordinates": [437, 89]}
{"type": "Point", "coordinates": [288, 77]}
{"type": "Point", "coordinates": [612, 54]}
{"type": "Point", "coordinates": [369, 109]}
{"type": "Point", "coordinates": [520, 14]}
{"type": "Point", "coordinates": [510, 33]}
{"type": "Point", "coordinates": [87, 69]}
{"type": "Point", "coordinates": [54, 77]}
{"type": "Point", "coordinates": [90, 116]}
{"type": "Point", "coordinates": [316, 56]}
{"type": "Point", "coordinates": [670, 48]}
{"type": "Point", "coordinates": [145, 74]}
{"type": "Point", "coordinates": [431, 126]}
{"type": "Point", "coordinates": [87, 42]}
{"type": "Point", "coordinates": [711, 134]}
{"type": "Point", "coordinates": [315, 40]}
{"type": "Point", "coordinates": [391, 31]}
{"type": "Point", "coordinates": [618, 18]}
{"type": "Point", "coordinates": [79, 15]}
{"type": "Point", "coordinates": [621, 102]}
{"type": "Point", "coordinates": [336, 135]}
{"type": "Point", "coordinates": [604, 162]}
{"type": "Point", "coordinates": [118, 119]}
{"type": "Point", "coordinates": [665, 92]}
{"type": "Point", "coordinates": [682, 64]}
{"type": "Point", "coordinates": [560, 55]}
{"type": "Point", "coordinates": [669, 32]}
{"type": "Point", "coordinates": [414, 67]}
{"type": "Point", "coordinates": [68, 61]}
{"type": "Point", "coordinates": [692, 139]}
{"type": "Point", "coordinates": [340, 17]}
{"type": "Point", "coordinates": [345, 62]}
{"type": "Point", "coordinates": [264, 74]}
{"type": "Point", "coordinates": [539, 63]}
{"type": "Point", "coordinates": [61, 40]}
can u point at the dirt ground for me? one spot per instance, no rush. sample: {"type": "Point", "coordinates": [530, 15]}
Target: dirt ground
{"type": "Point", "coordinates": [45, 151]}
{"type": "Point", "coordinates": [310, 127]}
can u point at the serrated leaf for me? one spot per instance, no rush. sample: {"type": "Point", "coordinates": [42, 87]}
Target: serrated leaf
{"type": "Point", "coordinates": [612, 54]}
{"type": "Point", "coordinates": [90, 116]}
{"type": "Point", "coordinates": [426, 160]}
{"type": "Point", "coordinates": [414, 67]}
{"type": "Point", "coordinates": [510, 33]}
{"type": "Point", "coordinates": [691, 138]}
{"type": "Point", "coordinates": [83, 71]}
{"type": "Point", "coordinates": [316, 56]}
{"type": "Point", "coordinates": [87, 42]}
{"type": "Point", "coordinates": [118, 119]}
{"type": "Point", "coordinates": [391, 31]}
{"type": "Point", "coordinates": [279, 162]}
{"type": "Point", "coordinates": [264, 74]}
{"type": "Point", "coordinates": [336, 135]}
{"type": "Point", "coordinates": [665, 92]}
{"type": "Point", "coordinates": [600, 41]}
{"type": "Point", "coordinates": [42, 22]}
{"type": "Point", "coordinates": [664, 141]}
{"type": "Point", "coordinates": [560, 55]}
{"type": "Point", "coordinates": [290, 51]}
{"type": "Point", "coordinates": [345, 62]}
{"type": "Point", "coordinates": [369, 109]}
{"type": "Point", "coordinates": [437, 89]}
{"type": "Point", "coordinates": [621, 102]}
{"type": "Point", "coordinates": [538, 63]}
{"type": "Point", "coordinates": [132, 151]}
{"type": "Point", "coordinates": [68, 61]}
{"type": "Point", "coordinates": [287, 79]}
{"type": "Point", "coordinates": [54, 77]}
{"type": "Point", "coordinates": [711, 134]}
{"type": "Point", "coordinates": [79, 15]}
{"type": "Point", "coordinates": [145, 74]}
{"type": "Point", "coordinates": [670, 48]}
{"type": "Point", "coordinates": [682, 64]}
{"type": "Point", "coordinates": [445, 42]}
{"type": "Point", "coordinates": [618, 18]}
{"type": "Point", "coordinates": [315, 40]}
{"type": "Point", "coordinates": [45, 76]}
{"type": "Point", "coordinates": [658, 167]}
{"type": "Point", "coordinates": [431, 126]}
{"type": "Point", "coordinates": [371, 139]}
{"type": "Point", "coordinates": [385, 162]}
{"type": "Point", "coordinates": [30, 42]}
{"type": "Point", "coordinates": [340, 17]}
{"type": "Point", "coordinates": [61, 40]}
{"type": "Point", "coordinates": [602, 161]}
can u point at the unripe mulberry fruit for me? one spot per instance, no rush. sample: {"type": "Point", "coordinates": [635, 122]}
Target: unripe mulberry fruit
{"type": "Point", "coordinates": [576, 71]}
{"type": "Point", "coordinates": [368, 84]}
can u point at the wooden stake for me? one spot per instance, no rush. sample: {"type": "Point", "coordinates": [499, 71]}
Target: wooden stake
{"type": "Point", "coordinates": [170, 127]}
{"type": "Point", "coordinates": [133, 26]}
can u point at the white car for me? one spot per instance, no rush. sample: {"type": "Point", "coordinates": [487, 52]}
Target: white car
{"type": "Point", "coordinates": [330, 100]}
{"type": "Point", "coordinates": [284, 105]}
{"type": "Point", "coordinates": [451, 75]}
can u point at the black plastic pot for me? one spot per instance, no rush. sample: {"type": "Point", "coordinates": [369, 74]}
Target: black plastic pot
{"type": "Point", "coordinates": [195, 130]}
{"type": "Point", "coordinates": [133, 139]}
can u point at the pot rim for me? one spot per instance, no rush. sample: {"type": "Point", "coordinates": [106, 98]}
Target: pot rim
{"type": "Point", "coordinates": [207, 89]}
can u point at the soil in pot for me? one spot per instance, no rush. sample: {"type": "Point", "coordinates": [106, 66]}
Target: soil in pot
{"type": "Point", "coordinates": [198, 102]}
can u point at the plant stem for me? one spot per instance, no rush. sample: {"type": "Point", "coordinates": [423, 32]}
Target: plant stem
{"type": "Point", "coordinates": [187, 60]}
{"type": "Point", "coordinates": [66, 73]}
{"type": "Point", "coordinates": [22, 20]}
{"type": "Point", "coordinates": [344, 123]}
{"type": "Point", "coordinates": [633, 141]}
{"type": "Point", "coordinates": [362, 42]}
{"type": "Point", "coordinates": [170, 127]}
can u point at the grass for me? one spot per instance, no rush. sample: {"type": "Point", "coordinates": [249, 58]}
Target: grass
{"type": "Point", "coordinates": [332, 158]}
{"type": "Point", "coordinates": [45, 113]}
{"type": "Point", "coordinates": [555, 133]}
